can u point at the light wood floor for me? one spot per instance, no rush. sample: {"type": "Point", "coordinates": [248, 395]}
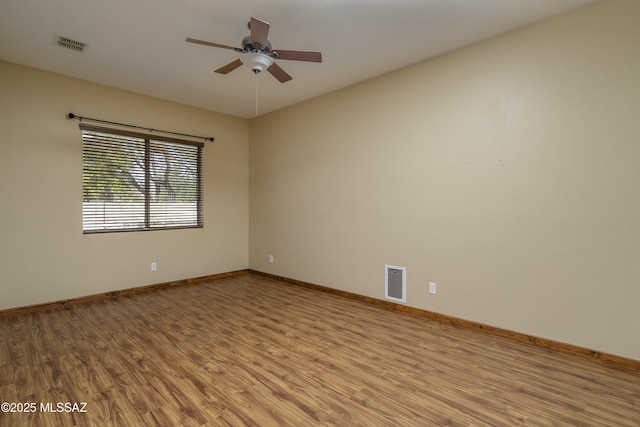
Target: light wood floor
{"type": "Point", "coordinates": [247, 350]}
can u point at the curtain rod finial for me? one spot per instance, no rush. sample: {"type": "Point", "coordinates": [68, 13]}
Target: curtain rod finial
{"type": "Point", "coordinates": [71, 116]}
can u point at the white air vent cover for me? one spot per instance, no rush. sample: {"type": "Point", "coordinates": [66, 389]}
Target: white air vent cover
{"type": "Point", "coordinates": [395, 283]}
{"type": "Point", "coordinates": [69, 44]}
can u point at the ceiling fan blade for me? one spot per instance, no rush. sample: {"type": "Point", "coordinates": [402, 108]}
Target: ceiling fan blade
{"type": "Point", "coordinates": [279, 73]}
{"type": "Point", "coordinates": [259, 32]}
{"type": "Point", "coordinates": [223, 46]}
{"type": "Point", "coordinates": [229, 67]}
{"type": "Point", "coordinates": [298, 55]}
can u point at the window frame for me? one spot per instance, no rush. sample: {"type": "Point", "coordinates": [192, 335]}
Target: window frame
{"type": "Point", "coordinates": [148, 138]}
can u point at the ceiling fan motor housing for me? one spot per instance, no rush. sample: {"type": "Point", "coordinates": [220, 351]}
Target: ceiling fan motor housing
{"type": "Point", "coordinates": [249, 46]}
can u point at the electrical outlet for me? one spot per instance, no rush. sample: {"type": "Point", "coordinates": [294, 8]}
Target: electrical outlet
{"type": "Point", "coordinates": [154, 266]}
{"type": "Point", "coordinates": [432, 288]}
{"type": "Point", "coordinates": [271, 258]}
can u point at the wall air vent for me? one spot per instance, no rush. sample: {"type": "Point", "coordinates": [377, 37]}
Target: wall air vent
{"type": "Point", "coordinates": [395, 283]}
{"type": "Point", "coordinates": [70, 44]}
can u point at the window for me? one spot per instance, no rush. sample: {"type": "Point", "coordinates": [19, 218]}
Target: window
{"type": "Point", "coordinates": [136, 182]}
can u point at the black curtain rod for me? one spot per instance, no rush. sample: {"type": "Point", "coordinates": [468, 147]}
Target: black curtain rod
{"type": "Point", "coordinates": [73, 116]}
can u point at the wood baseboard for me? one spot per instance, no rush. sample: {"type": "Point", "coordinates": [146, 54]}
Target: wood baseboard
{"type": "Point", "coordinates": [581, 352]}
{"type": "Point", "coordinates": [121, 292]}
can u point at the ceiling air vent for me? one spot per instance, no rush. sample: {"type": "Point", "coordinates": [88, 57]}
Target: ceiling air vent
{"type": "Point", "coordinates": [70, 44]}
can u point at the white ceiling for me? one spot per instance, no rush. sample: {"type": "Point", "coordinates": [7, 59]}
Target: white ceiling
{"type": "Point", "coordinates": [139, 45]}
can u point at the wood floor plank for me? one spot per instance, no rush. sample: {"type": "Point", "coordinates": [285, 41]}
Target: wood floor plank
{"type": "Point", "coordinates": [250, 351]}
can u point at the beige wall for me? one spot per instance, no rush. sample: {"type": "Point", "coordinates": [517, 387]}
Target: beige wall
{"type": "Point", "coordinates": [507, 172]}
{"type": "Point", "coordinates": [43, 254]}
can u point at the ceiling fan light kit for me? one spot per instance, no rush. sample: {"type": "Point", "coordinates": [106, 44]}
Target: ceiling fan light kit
{"type": "Point", "coordinates": [258, 54]}
{"type": "Point", "coordinates": [256, 61]}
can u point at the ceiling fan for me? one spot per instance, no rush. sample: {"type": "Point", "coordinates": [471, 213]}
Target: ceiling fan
{"type": "Point", "coordinates": [258, 55]}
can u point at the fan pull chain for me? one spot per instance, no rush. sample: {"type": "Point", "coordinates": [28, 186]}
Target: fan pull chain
{"type": "Point", "coordinates": [256, 94]}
